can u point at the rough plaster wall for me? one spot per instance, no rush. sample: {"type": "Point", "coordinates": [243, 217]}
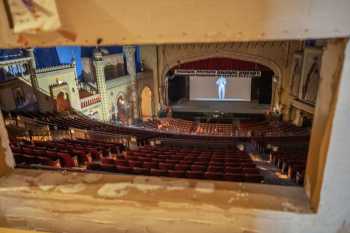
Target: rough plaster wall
{"type": "Point", "coordinates": [6, 158]}
{"type": "Point", "coordinates": [157, 21]}
{"type": "Point", "coordinates": [335, 193]}
{"type": "Point", "coordinates": [331, 67]}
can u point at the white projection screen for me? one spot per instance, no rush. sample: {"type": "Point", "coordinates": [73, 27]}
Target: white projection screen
{"type": "Point", "coordinates": [207, 88]}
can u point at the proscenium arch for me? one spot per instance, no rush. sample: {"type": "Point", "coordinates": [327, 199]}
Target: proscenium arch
{"type": "Point", "coordinates": [236, 56]}
{"type": "Point", "coordinates": [271, 64]}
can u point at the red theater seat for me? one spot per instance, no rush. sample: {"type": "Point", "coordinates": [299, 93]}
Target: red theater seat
{"type": "Point", "coordinates": [66, 159]}
{"type": "Point", "coordinates": [150, 165]}
{"type": "Point", "coordinates": [108, 161]}
{"type": "Point", "coordinates": [166, 166]}
{"type": "Point", "coordinates": [182, 167]}
{"type": "Point", "coordinates": [201, 163]}
{"type": "Point", "coordinates": [121, 162]}
{"type": "Point", "coordinates": [135, 163]}
{"type": "Point", "coordinates": [177, 173]}
{"type": "Point", "coordinates": [235, 170]}
{"type": "Point", "coordinates": [51, 154]}
{"type": "Point", "coordinates": [195, 174]}
{"type": "Point", "coordinates": [124, 169]}
{"type": "Point", "coordinates": [198, 168]}
{"type": "Point", "coordinates": [140, 170]}
{"type": "Point", "coordinates": [159, 172]}
{"type": "Point", "coordinates": [234, 177]}
{"type": "Point", "coordinates": [216, 168]}
{"type": "Point", "coordinates": [214, 175]}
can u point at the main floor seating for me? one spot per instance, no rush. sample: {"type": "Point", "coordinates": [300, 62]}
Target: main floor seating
{"type": "Point", "coordinates": [178, 161]}
{"type": "Point", "coordinates": [216, 164]}
{"type": "Point", "coordinates": [63, 153]}
{"type": "Point", "coordinates": [213, 164]}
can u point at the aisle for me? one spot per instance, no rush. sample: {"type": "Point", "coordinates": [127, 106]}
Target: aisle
{"type": "Point", "coordinates": [271, 174]}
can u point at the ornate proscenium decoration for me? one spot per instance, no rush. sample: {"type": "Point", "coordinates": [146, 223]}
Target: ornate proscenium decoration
{"type": "Point", "coordinates": [226, 73]}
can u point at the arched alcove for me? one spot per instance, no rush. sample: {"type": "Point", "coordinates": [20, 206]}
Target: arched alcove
{"type": "Point", "coordinates": [62, 102]}
{"type": "Point", "coordinates": [146, 103]}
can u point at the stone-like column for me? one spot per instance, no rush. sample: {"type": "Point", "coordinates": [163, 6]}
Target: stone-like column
{"type": "Point", "coordinates": [129, 52]}
{"type": "Point", "coordinates": [33, 77]}
{"type": "Point", "coordinates": [101, 84]}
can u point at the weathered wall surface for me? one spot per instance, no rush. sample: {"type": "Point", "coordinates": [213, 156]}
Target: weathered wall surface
{"type": "Point", "coordinates": [109, 203]}
{"type": "Point", "coordinates": [156, 21]}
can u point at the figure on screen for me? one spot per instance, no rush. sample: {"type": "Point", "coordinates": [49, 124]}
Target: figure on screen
{"type": "Point", "coordinates": [221, 83]}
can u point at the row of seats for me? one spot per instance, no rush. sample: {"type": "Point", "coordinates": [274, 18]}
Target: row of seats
{"type": "Point", "coordinates": [248, 176]}
{"type": "Point", "coordinates": [186, 129]}
{"type": "Point", "coordinates": [216, 164]}
{"type": "Point", "coordinates": [262, 128]}
{"type": "Point", "coordinates": [64, 153]}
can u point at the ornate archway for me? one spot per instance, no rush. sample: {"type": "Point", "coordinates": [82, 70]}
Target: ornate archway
{"type": "Point", "coordinates": [262, 89]}
{"type": "Point", "coordinates": [146, 103]}
{"type": "Point", "coordinates": [261, 60]}
{"type": "Point", "coordinates": [62, 102]}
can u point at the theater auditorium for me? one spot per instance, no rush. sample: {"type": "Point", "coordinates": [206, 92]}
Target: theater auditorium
{"type": "Point", "coordinates": [203, 135]}
{"type": "Point", "coordinates": [218, 116]}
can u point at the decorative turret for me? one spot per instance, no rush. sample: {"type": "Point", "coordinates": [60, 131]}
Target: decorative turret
{"type": "Point", "coordinates": [101, 83]}
{"type": "Point", "coordinates": [33, 76]}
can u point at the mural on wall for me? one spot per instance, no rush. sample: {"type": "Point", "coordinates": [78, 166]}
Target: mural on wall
{"type": "Point", "coordinates": [311, 74]}
{"type": "Point", "coordinates": [296, 72]}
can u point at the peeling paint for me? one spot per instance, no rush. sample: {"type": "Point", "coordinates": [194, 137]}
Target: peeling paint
{"type": "Point", "coordinates": [113, 190]}
{"type": "Point", "coordinates": [9, 159]}
{"type": "Point", "coordinates": [92, 178]}
{"type": "Point", "coordinates": [205, 187]}
{"type": "Point", "coordinates": [71, 188]}
{"type": "Point", "coordinates": [177, 185]}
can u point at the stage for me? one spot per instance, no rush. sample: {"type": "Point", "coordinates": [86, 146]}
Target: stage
{"type": "Point", "coordinates": [232, 107]}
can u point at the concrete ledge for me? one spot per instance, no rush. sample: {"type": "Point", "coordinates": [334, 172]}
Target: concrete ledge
{"type": "Point", "coordinates": [33, 199]}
